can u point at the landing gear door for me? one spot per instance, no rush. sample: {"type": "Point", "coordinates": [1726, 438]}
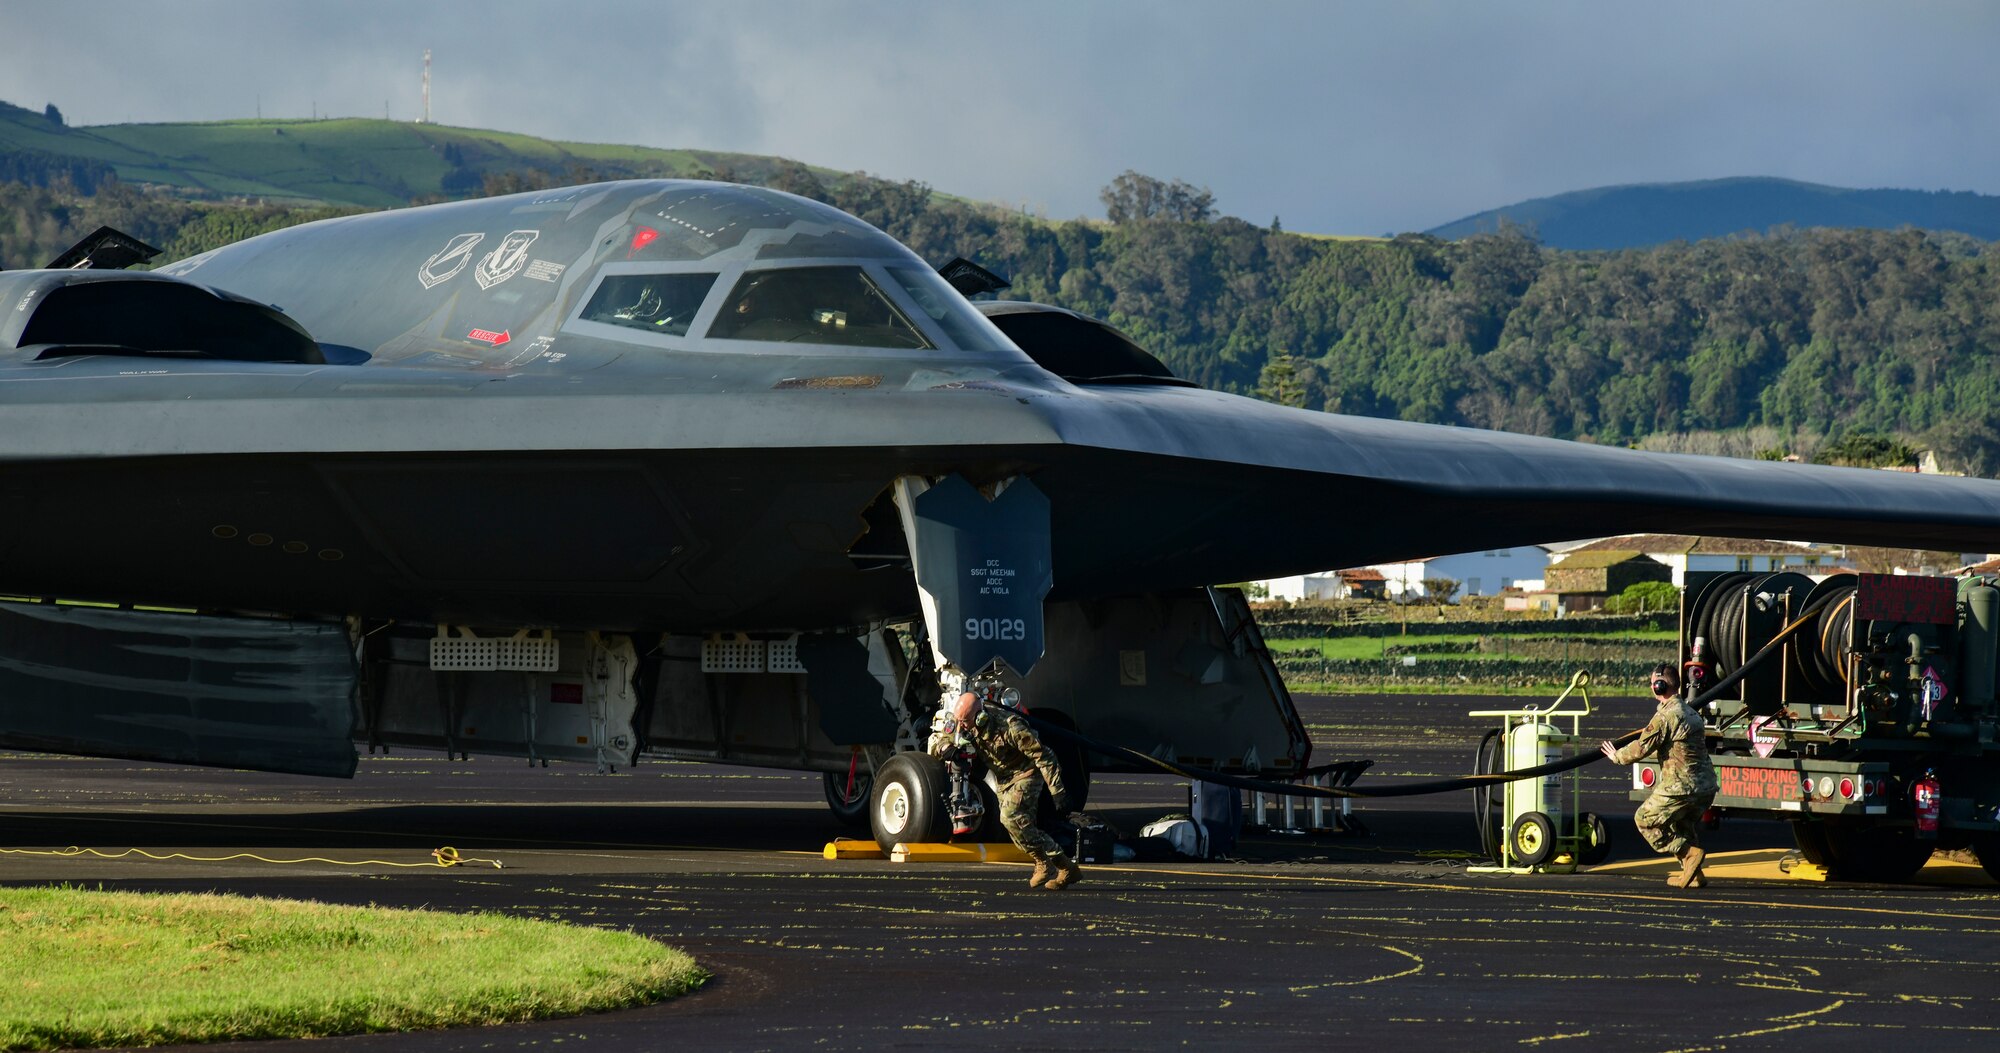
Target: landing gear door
{"type": "Point", "coordinates": [1182, 675]}
{"type": "Point", "coordinates": [982, 567]}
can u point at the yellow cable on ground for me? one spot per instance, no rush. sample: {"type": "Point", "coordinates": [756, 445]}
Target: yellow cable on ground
{"type": "Point", "coordinates": [442, 858]}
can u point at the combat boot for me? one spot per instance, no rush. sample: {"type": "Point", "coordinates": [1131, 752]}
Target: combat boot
{"type": "Point", "coordinates": [1065, 872]}
{"type": "Point", "coordinates": [1691, 858]}
{"type": "Point", "coordinates": [1041, 874]}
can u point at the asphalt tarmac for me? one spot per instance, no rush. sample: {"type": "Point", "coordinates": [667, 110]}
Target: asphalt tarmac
{"type": "Point", "coordinates": [1384, 941]}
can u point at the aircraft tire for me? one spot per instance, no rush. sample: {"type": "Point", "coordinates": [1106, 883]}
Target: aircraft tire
{"type": "Point", "coordinates": [850, 808]}
{"type": "Point", "coordinates": [1075, 765]}
{"type": "Point", "coordinates": [990, 829]}
{"type": "Point", "coordinates": [909, 801]}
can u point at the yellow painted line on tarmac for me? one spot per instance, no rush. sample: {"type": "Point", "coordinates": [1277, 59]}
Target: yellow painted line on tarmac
{"type": "Point", "coordinates": [1698, 898]}
{"type": "Point", "coordinates": [966, 853]}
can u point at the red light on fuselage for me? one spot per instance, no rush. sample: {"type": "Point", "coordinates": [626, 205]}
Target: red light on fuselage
{"type": "Point", "coordinates": [643, 237]}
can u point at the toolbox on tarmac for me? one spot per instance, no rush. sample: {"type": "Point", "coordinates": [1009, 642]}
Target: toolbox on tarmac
{"type": "Point", "coordinates": [1090, 844]}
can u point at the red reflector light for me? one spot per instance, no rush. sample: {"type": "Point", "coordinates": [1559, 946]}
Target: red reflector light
{"type": "Point", "coordinates": [1847, 788]}
{"type": "Point", "coordinates": [1646, 776]}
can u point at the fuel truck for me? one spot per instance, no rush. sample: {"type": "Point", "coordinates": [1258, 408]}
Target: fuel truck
{"type": "Point", "coordinates": [1860, 709]}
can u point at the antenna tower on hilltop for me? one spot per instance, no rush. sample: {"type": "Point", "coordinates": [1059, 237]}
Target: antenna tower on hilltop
{"type": "Point", "coordinates": [426, 118]}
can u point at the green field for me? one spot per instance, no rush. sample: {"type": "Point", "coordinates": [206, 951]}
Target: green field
{"type": "Point", "coordinates": [1522, 661]}
{"type": "Point", "coordinates": [89, 969]}
{"type": "Point", "coordinates": [1379, 646]}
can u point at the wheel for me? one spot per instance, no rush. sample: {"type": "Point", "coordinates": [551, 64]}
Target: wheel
{"type": "Point", "coordinates": [1986, 846]}
{"type": "Point", "coordinates": [908, 804]}
{"type": "Point", "coordinates": [1811, 839]}
{"type": "Point", "coordinates": [1075, 772]}
{"type": "Point", "coordinates": [1593, 839]}
{"type": "Point", "coordinates": [848, 796]}
{"type": "Point", "coordinates": [990, 831]}
{"type": "Point", "coordinates": [1531, 841]}
{"type": "Point", "coordinates": [1888, 854]}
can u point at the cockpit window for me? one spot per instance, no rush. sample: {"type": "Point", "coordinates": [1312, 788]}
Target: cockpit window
{"type": "Point", "coordinates": [657, 303]}
{"type": "Point", "coordinates": [814, 305]}
{"type": "Point", "coordinates": [966, 327]}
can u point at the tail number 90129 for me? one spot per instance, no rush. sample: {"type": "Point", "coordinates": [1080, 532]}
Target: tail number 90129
{"type": "Point", "coordinates": [996, 629]}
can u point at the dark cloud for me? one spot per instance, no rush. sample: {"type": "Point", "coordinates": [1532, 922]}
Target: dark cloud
{"type": "Point", "coordinates": [1339, 117]}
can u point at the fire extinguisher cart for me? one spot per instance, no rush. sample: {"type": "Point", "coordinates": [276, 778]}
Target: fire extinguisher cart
{"type": "Point", "coordinates": [1535, 826]}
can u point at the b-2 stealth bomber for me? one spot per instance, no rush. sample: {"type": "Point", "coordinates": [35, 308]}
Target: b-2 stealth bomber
{"type": "Point", "coordinates": [708, 471]}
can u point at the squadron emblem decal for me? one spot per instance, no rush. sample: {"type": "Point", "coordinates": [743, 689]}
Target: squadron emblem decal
{"type": "Point", "coordinates": [449, 260]}
{"type": "Point", "coordinates": [506, 260]}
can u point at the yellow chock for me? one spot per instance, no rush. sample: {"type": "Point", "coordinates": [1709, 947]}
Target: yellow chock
{"type": "Point", "coordinates": [1804, 871]}
{"type": "Point", "coordinates": [842, 848]}
{"type": "Point", "coordinates": [966, 853]}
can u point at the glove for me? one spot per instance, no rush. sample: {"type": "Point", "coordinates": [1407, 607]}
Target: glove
{"type": "Point", "coordinates": [1060, 802]}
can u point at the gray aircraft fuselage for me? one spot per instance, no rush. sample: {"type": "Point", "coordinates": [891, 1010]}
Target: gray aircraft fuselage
{"type": "Point", "coordinates": [679, 406]}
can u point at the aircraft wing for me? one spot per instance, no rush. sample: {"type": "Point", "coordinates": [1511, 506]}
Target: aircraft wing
{"type": "Point", "coordinates": [1238, 490]}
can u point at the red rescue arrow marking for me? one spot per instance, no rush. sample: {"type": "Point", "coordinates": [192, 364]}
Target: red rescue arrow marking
{"type": "Point", "coordinates": [488, 336]}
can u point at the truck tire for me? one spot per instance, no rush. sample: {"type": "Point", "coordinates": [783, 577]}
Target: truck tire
{"type": "Point", "coordinates": [850, 802]}
{"type": "Point", "coordinates": [1531, 841]}
{"type": "Point", "coordinates": [908, 805]}
{"type": "Point", "coordinates": [1811, 839]}
{"type": "Point", "coordinates": [1886, 854]}
{"type": "Point", "coordinates": [1986, 847]}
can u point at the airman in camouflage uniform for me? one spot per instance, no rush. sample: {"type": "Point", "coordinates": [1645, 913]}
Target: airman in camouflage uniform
{"type": "Point", "coordinates": [1013, 753]}
{"type": "Point", "coordinates": [1687, 785]}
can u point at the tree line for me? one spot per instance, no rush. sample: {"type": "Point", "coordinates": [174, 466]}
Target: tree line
{"type": "Point", "coordinates": [1854, 344]}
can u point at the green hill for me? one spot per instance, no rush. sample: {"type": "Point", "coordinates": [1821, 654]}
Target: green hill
{"type": "Point", "coordinates": [1619, 217]}
{"type": "Point", "coordinates": [1826, 343]}
{"type": "Point", "coordinates": [346, 161]}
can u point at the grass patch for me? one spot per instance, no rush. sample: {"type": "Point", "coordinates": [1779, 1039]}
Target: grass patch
{"type": "Point", "coordinates": [1375, 646]}
{"type": "Point", "coordinates": [86, 969]}
{"type": "Point", "coordinates": [1598, 691]}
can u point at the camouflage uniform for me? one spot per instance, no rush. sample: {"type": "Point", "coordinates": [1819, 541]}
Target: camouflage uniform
{"type": "Point", "coordinates": [1012, 752]}
{"type": "Point", "coordinates": [1686, 786]}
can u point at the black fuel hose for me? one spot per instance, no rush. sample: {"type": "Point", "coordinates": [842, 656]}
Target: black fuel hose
{"type": "Point", "coordinates": [1417, 789]}
{"type": "Point", "coordinates": [1805, 618]}
{"type": "Point", "coordinates": [1464, 782]}
{"type": "Point", "coordinates": [1486, 757]}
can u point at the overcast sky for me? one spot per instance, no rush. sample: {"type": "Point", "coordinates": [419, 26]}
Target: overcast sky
{"type": "Point", "coordinates": [1339, 117]}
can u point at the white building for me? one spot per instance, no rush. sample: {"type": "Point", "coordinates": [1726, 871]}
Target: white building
{"type": "Point", "coordinates": [1331, 585]}
{"type": "Point", "coordinates": [1483, 573]}
{"type": "Point", "coordinates": [1689, 552]}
